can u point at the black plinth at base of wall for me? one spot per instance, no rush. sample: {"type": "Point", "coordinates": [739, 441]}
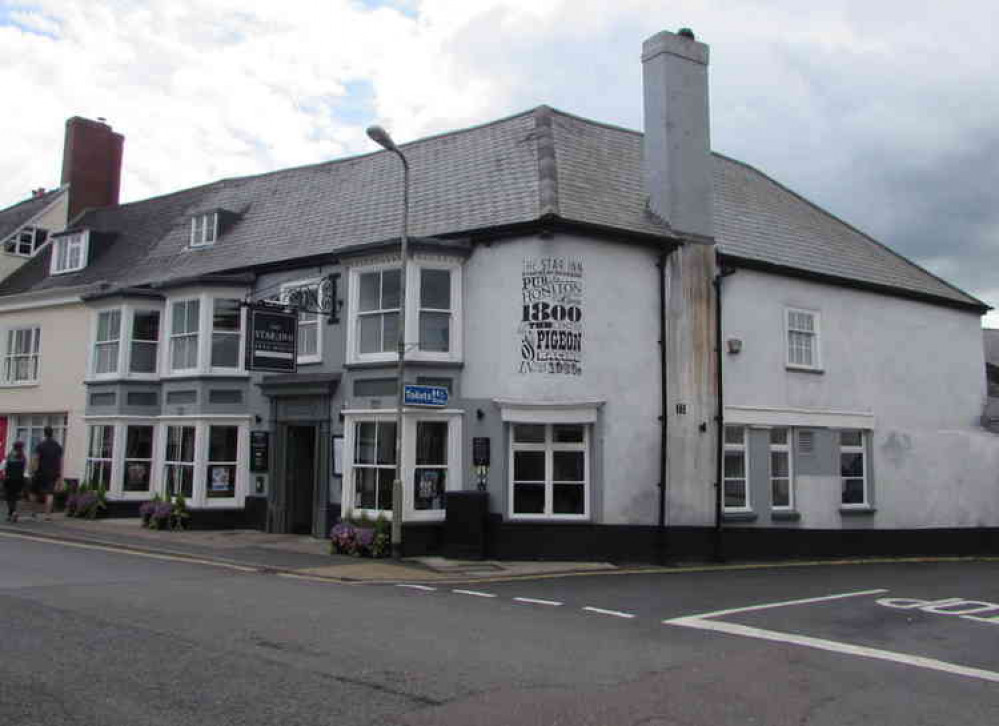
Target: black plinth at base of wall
{"type": "Point", "coordinates": [465, 525]}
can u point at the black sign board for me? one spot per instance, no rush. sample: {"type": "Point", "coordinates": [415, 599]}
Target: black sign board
{"type": "Point", "coordinates": [480, 451]}
{"type": "Point", "coordinates": [273, 341]}
{"type": "Point", "coordinates": [260, 451]}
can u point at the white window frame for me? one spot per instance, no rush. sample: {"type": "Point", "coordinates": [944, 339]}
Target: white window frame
{"type": "Point", "coordinates": [201, 425]}
{"type": "Point", "coordinates": [132, 312]}
{"type": "Point", "coordinates": [104, 462]}
{"type": "Point", "coordinates": [417, 264]}
{"type": "Point", "coordinates": [815, 337]}
{"type": "Point", "coordinates": [126, 341]}
{"type": "Point", "coordinates": [206, 310]}
{"type": "Point", "coordinates": [122, 459]}
{"type": "Point", "coordinates": [114, 342]}
{"type": "Point", "coordinates": [10, 357]}
{"type": "Point", "coordinates": [549, 447]}
{"type": "Point", "coordinates": [196, 334]}
{"type": "Point", "coordinates": [240, 333]}
{"type": "Point", "coordinates": [742, 448]}
{"type": "Point", "coordinates": [23, 424]}
{"type": "Point", "coordinates": [204, 229]}
{"type": "Point", "coordinates": [349, 495]}
{"type": "Point", "coordinates": [787, 448]}
{"type": "Point", "coordinates": [317, 357]}
{"type": "Point", "coordinates": [27, 235]}
{"type": "Point", "coordinates": [862, 449]}
{"type": "Point", "coordinates": [63, 249]}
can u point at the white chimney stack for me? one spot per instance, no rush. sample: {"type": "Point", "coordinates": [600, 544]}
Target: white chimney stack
{"type": "Point", "coordinates": [677, 137]}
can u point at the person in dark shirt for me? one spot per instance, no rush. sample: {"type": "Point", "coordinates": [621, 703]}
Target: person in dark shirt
{"type": "Point", "coordinates": [14, 468]}
{"type": "Point", "coordinates": [47, 470]}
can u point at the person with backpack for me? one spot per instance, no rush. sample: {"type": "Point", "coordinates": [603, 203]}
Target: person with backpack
{"type": "Point", "coordinates": [14, 468]}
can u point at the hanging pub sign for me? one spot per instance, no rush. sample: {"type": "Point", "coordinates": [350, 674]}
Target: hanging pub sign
{"type": "Point", "coordinates": [273, 340]}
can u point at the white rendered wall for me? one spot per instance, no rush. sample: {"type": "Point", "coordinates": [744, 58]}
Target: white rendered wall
{"type": "Point", "coordinates": [620, 357]}
{"type": "Point", "coordinates": [918, 368]}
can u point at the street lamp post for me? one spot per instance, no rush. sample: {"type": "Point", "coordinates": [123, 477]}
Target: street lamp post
{"type": "Point", "coordinates": [380, 136]}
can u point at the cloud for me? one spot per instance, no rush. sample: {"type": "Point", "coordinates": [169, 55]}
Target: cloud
{"type": "Point", "coordinates": [884, 114]}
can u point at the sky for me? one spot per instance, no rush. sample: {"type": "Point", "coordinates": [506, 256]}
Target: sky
{"type": "Point", "coordinates": [883, 112]}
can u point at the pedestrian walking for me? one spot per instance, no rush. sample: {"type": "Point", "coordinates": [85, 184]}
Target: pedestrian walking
{"type": "Point", "coordinates": [46, 470]}
{"type": "Point", "coordinates": [13, 469]}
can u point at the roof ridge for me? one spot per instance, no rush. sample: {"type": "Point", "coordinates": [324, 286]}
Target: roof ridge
{"type": "Point", "coordinates": [547, 162]}
{"type": "Point", "coordinates": [850, 226]}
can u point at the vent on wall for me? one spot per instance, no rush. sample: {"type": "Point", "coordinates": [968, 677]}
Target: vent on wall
{"type": "Point", "coordinates": [806, 442]}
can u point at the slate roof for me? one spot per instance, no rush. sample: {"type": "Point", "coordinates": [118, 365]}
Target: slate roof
{"type": "Point", "coordinates": [517, 170]}
{"type": "Point", "coordinates": [17, 215]}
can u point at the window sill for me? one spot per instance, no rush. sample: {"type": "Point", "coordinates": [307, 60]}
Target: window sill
{"type": "Point", "coordinates": [410, 363]}
{"type": "Point", "coordinates": [803, 369]}
{"type": "Point", "coordinates": [785, 515]}
{"type": "Point", "coordinates": [20, 384]}
{"type": "Point", "coordinates": [190, 375]}
{"type": "Point", "coordinates": [854, 509]}
{"type": "Point", "coordinates": [549, 519]}
{"type": "Point", "coordinates": [743, 516]}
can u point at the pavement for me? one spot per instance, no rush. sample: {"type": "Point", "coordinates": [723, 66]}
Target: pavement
{"type": "Point", "coordinates": [288, 554]}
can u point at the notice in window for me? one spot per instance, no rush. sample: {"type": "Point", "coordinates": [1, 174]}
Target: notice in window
{"type": "Point", "coordinates": [551, 326]}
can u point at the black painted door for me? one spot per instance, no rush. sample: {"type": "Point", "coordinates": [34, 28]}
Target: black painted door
{"type": "Point", "coordinates": [300, 477]}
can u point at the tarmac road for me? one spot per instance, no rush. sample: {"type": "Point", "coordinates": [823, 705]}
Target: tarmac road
{"type": "Point", "coordinates": [92, 636]}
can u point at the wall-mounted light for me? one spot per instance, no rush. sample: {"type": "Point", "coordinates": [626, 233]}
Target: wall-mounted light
{"type": "Point", "coordinates": [480, 414]}
{"type": "Point", "coordinates": [734, 346]}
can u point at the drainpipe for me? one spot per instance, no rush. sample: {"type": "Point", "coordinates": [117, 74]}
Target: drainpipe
{"type": "Point", "coordinates": [662, 534]}
{"type": "Point", "coordinates": [723, 272]}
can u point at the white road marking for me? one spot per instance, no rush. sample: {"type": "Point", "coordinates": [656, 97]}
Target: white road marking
{"type": "Point", "coordinates": [614, 613]}
{"type": "Point", "coordinates": [532, 601]}
{"type": "Point", "coordinates": [704, 622]}
{"type": "Point", "coordinates": [474, 593]}
{"type": "Point", "coordinates": [425, 588]}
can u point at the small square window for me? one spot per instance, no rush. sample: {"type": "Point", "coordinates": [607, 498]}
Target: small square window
{"type": "Point", "coordinates": [204, 229]}
{"type": "Point", "coordinates": [69, 252]}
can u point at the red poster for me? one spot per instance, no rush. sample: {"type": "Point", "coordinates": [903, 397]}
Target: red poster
{"type": "Point", "coordinates": [3, 437]}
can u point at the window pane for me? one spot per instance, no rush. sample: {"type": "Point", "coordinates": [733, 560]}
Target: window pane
{"type": "Point", "coordinates": [225, 315]}
{"type": "Point", "coordinates": [106, 358]}
{"type": "Point", "coordinates": [143, 357]}
{"type": "Point", "coordinates": [851, 464]}
{"type": "Point", "coordinates": [180, 443]}
{"type": "Point", "coordinates": [431, 443]}
{"type": "Point", "coordinates": [735, 493]}
{"type": "Point", "coordinates": [364, 442]}
{"type": "Point", "coordinates": [568, 466]}
{"type": "Point", "coordinates": [853, 491]}
{"type": "Point", "coordinates": [428, 488]}
{"type": "Point", "coordinates": [779, 464]}
{"type": "Point", "coordinates": [220, 481]}
{"type": "Point", "coordinates": [435, 332]}
{"type": "Point", "coordinates": [781, 492]}
{"type": "Point", "coordinates": [385, 477]}
{"type": "Point", "coordinates": [137, 475]}
{"type": "Point", "coordinates": [390, 289]}
{"type": "Point", "coordinates": [568, 499]}
{"type": "Point", "coordinates": [735, 464]}
{"type": "Point", "coordinates": [778, 436]}
{"type": "Point", "coordinates": [308, 338]}
{"type": "Point", "coordinates": [567, 434]}
{"type": "Point", "coordinates": [386, 442]}
{"type": "Point", "coordinates": [225, 350]}
{"type": "Point", "coordinates": [193, 310]}
{"type": "Point", "coordinates": [529, 498]}
{"type": "Point", "coordinates": [139, 442]}
{"type": "Point", "coordinates": [369, 294]}
{"type": "Point", "coordinates": [365, 488]}
{"type": "Point", "coordinates": [529, 433]}
{"type": "Point", "coordinates": [734, 434]}
{"type": "Point", "coordinates": [850, 438]}
{"type": "Point", "coordinates": [390, 337]}
{"type": "Point", "coordinates": [222, 443]}
{"type": "Point", "coordinates": [370, 333]}
{"type": "Point", "coordinates": [435, 289]}
{"type": "Point", "coordinates": [529, 466]}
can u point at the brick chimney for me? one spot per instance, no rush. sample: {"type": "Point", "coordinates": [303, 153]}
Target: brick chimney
{"type": "Point", "coordinates": [91, 164]}
{"type": "Point", "coordinates": [677, 136]}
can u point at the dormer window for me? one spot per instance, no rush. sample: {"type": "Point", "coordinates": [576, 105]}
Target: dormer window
{"type": "Point", "coordinates": [204, 229]}
{"type": "Point", "coordinates": [25, 241]}
{"type": "Point", "coordinates": [69, 252]}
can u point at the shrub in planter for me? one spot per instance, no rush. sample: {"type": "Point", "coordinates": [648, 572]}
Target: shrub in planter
{"type": "Point", "coordinates": [86, 503]}
{"type": "Point", "coordinates": [159, 515]}
{"type": "Point", "coordinates": [179, 515]}
{"type": "Point", "coordinates": [146, 509]}
{"type": "Point", "coordinates": [361, 538]}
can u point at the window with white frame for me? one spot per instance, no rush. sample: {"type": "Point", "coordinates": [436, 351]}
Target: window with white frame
{"type": "Point", "coordinates": [378, 311]}
{"type": "Point", "coordinates": [226, 331]}
{"type": "Point", "coordinates": [309, 328]}
{"type": "Point", "coordinates": [435, 310]}
{"type": "Point", "coordinates": [430, 471]}
{"type": "Point", "coordinates": [178, 461]}
{"type": "Point", "coordinates": [69, 252]}
{"type": "Point", "coordinates": [145, 341]}
{"type": "Point", "coordinates": [374, 464]}
{"type": "Point", "coordinates": [100, 456]}
{"type": "Point", "coordinates": [107, 342]}
{"type": "Point", "coordinates": [853, 468]}
{"type": "Point", "coordinates": [220, 472]}
{"type": "Point", "coordinates": [550, 470]}
{"type": "Point", "coordinates": [204, 229]}
{"type": "Point", "coordinates": [185, 324]}
{"type": "Point", "coordinates": [781, 469]}
{"type": "Point", "coordinates": [21, 357]}
{"type": "Point", "coordinates": [802, 339]}
{"type": "Point", "coordinates": [26, 241]}
{"type": "Point", "coordinates": [30, 428]}
{"type": "Point", "coordinates": [734, 470]}
{"type": "Point", "coordinates": [138, 462]}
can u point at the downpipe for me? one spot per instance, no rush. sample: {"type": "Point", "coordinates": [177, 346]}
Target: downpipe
{"type": "Point", "coordinates": [718, 537]}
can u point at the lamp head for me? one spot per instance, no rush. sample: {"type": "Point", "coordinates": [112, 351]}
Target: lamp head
{"type": "Point", "coordinates": [380, 136]}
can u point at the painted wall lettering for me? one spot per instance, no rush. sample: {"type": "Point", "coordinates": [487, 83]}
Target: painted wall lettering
{"type": "Point", "coordinates": [551, 322]}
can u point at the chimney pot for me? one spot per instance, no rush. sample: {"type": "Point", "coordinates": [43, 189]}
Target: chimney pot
{"type": "Point", "coordinates": [686, 33]}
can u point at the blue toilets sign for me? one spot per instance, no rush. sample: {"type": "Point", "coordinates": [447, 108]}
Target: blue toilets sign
{"type": "Point", "coordinates": [433, 396]}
